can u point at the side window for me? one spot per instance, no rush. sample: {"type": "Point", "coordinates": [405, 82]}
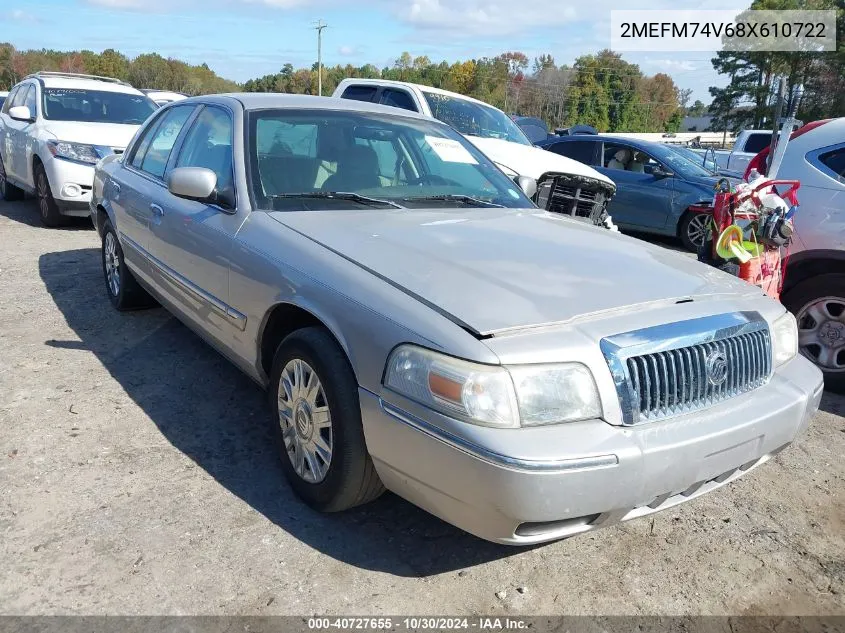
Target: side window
{"type": "Point", "coordinates": [756, 142]}
{"type": "Point", "coordinates": [30, 100]}
{"type": "Point", "coordinates": [359, 93]}
{"type": "Point", "coordinates": [835, 161]}
{"type": "Point", "coordinates": [8, 103]}
{"type": "Point", "coordinates": [398, 99]}
{"type": "Point", "coordinates": [209, 144]}
{"type": "Point", "coordinates": [140, 148]}
{"type": "Point", "coordinates": [582, 151]}
{"type": "Point", "coordinates": [618, 157]}
{"type": "Point", "coordinates": [157, 152]}
{"type": "Point", "coordinates": [20, 95]}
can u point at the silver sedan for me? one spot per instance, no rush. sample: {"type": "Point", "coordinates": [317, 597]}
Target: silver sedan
{"type": "Point", "coordinates": [421, 326]}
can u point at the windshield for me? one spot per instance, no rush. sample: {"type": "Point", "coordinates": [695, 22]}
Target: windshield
{"type": "Point", "coordinates": [696, 158]}
{"type": "Point", "coordinates": [323, 159]}
{"type": "Point", "coordinates": [96, 106]}
{"type": "Point", "coordinates": [678, 162]}
{"type": "Point", "coordinates": [474, 119]}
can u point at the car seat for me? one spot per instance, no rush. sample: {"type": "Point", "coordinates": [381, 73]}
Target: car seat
{"type": "Point", "coordinates": [357, 168]}
{"type": "Point", "coordinates": [619, 160]}
{"type": "Point", "coordinates": [638, 165]}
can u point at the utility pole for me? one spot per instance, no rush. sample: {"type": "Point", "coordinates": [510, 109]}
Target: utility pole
{"type": "Point", "coordinates": [319, 28]}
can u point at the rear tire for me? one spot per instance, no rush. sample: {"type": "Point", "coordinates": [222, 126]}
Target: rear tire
{"type": "Point", "coordinates": [48, 210]}
{"type": "Point", "coordinates": [818, 304]}
{"type": "Point", "coordinates": [8, 191]}
{"type": "Point", "coordinates": [316, 416]}
{"type": "Point", "coordinates": [124, 292]}
{"type": "Point", "coordinates": [692, 229]}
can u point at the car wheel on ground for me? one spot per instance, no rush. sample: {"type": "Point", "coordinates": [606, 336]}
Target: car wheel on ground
{"type": "Point", "coordinates": [692, 230]}
{"type": "Point", "coordinates": [818, 304]}
{"type": "Point", "coordinates": [47, 207]}
{"type": "Point", "coordinates": [123, 289]}
{"type": "Point", "coordinates": [8, 191]}
{"type": "Point", "coordinates": [317, 420]}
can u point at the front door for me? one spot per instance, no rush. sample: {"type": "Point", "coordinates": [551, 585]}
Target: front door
{"type": "Point", "coordinates": [142, 179]}
{"type": "Point", "coordinates": [190, 240]}
{"type": "Point", "coordinates": [643, 200]}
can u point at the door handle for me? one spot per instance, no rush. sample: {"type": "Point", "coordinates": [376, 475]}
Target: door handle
{"type": "Point", "coordinates": [157, 210]}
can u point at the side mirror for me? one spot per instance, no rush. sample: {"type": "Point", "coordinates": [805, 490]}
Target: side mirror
{"type": "Point", "coordinates": [21, 113]}
{"type": "Point", "coordinates": [660, 172]}
{"type": "Point", "coordinates": [527, 184]}
{"type": "Point", "coordinates": [194, 183]}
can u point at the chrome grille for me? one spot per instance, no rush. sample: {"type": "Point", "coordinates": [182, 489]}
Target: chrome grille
{"type": "Point", "coordinates": [669, 370]}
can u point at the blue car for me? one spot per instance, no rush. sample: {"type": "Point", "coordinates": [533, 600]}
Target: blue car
{"type": "Point", "coordinates": [658, 190]}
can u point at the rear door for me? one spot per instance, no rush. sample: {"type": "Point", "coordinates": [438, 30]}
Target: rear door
{"type": "Point", "coordinates": [642, 201]}
{"type": "Point", "coordinates": [191, 241]}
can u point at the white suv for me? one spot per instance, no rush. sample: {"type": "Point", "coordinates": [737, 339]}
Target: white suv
{"type": "Point", "coordinates": [814, 286]}
{"type": "Point", "coordinates": [54, 127]}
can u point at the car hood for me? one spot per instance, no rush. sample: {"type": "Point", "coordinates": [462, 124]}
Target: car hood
{"type": "Point", "coordinates": [528, 160]}
{"type": "Point", "coordinates": [107, 134]}
{"type": "Point", "coordinates": [708, 183]}
{"type": "Point", "coordinates": [491, 270]}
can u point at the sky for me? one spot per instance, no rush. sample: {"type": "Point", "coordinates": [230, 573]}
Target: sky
{"type": "Point", "coordinates": [242, 39]}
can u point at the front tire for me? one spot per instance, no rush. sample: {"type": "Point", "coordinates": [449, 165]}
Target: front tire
{"type": "Point", "coordinates": [317, 420]}
{"type": "Point", "coordinates": [8, 191]}
{"type": "Point", "coordinates": [123, 290]}
{"type": "Point", "coordinates": [48, 210]}
{"type": "Point", "coordinates": [692, 229]}
{"type": "Point", "coordinates": [818, 304]}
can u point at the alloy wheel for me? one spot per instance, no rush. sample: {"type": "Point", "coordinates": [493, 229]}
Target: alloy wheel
{"type": "Point", "coordinates": [697, 228]}
{"type": "Point", "coordinates": [821, 332]}
{"type": "Point", "coordinates": [306, 421]}
{"type": "Point", "coordinates": [111, 262]}
{"type": "Point", "coordinates": [43, 195]}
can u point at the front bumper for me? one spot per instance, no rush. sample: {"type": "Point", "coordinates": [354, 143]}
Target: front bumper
{"type": "Point", "coordinates": [605, 474]}
{"type": "Point", "coordinates": [71, 185]}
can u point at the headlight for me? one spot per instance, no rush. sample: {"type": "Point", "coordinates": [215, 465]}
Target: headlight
{"type": "Point", "coordinates": [784, 339]}
{"type": "Point", "coordinates": [503, 397]}
{"type": "Point", "coordinates": [548, 394]}
{"type": "Point", "coordinates": [74, 151]}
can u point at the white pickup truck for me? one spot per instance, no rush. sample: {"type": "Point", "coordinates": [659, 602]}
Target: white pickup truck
{"type": "Point", "coordinates": [556, 183]}
{"type": "Point", "coordinates": [747, 145]}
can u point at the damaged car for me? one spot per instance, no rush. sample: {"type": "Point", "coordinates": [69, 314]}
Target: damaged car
{"type": "Point", "coordinates": [555, 183]}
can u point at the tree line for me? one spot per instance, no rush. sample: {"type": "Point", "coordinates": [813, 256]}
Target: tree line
{"type": "Point", "coordinates": [602, 90]}
{"type": "Point", "coordinates": [747, 101]}
{"type": "Point", "coordinates": [144, 71]}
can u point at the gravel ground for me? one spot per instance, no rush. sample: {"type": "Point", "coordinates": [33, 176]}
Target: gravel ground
{"type": "Point", "coordinates": [136, 477]}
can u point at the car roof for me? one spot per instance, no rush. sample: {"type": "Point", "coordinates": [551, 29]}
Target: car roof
{"type": "Point", "coordinates": [82, 82]}
{"type": "Point", "coordinates": [270, 100]}
{"type": "Point", "coordinates": [399, 84]}
{"type": "Point", "coordinates": [633, 142]}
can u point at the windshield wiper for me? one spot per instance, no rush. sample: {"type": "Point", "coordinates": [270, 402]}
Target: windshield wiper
{"type": "Point", "coordinates": [337, 195]}
{"type": "Point", "coordinates": [468, 200]}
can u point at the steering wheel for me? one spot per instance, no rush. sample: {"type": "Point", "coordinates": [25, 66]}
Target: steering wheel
{"type": "Point", "coordinates": [433, 179]}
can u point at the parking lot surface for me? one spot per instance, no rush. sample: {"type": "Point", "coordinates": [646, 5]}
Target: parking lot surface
{"type": "Point", "coordinates": [137, 476]}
